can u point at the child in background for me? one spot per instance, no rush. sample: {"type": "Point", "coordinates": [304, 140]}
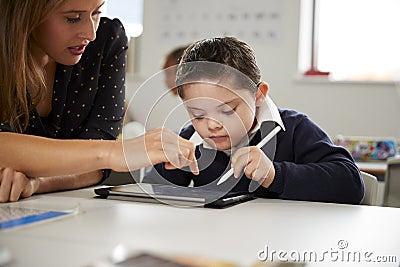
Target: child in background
{"type": "Point", "coordinates": [232, 114]}
{"type": "Point", "coordinates": [171, 61]}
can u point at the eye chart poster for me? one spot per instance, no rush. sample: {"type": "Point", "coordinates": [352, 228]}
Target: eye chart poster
{"type": "Point", "coordinates": [256, 21]}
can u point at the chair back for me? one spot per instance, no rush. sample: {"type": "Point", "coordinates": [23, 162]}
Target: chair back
{"type": "Point", "coordinates": [371, 189]}
{"type": "Point", "coordinates": [391, 197]}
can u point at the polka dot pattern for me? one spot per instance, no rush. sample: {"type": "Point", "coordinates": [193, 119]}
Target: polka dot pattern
{"type": "Point", "coordinates": [88, 96]}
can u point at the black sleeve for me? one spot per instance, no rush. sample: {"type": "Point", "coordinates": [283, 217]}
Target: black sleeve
{"type": "Point", "coordinates": [159, 175]}
{"type": "Point", "coordinates": [5, 127]}
{"type": "Point", "coordinates": [320, 171]}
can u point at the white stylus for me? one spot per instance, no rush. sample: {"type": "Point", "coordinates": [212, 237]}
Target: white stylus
{"type": "Point", "coordinates": [265, 140]}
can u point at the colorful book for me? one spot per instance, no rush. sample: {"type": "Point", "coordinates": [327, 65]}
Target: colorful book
{"type": "Point", "coordinates": [365, 148]}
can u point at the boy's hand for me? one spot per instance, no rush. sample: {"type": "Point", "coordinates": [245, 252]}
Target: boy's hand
{"type": "Point", "coordinates": [257, 166]}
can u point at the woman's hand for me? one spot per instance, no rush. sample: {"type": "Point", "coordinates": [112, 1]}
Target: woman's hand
{"type": "Point", "coordinates": [257, 166]}
{"type": "Point", "coordinates": [156, 146]}
{"type": "Point", "coordinates": [15, 185]}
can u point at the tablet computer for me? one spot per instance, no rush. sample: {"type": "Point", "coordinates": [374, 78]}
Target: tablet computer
{"type": "Point", "coordinates": [173, 195]}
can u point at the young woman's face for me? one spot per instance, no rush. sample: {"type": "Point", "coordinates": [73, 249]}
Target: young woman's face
{"type": "Point", "coordinates": [221, 116]}
{"type": "Point", "coordinates": [66, 32]}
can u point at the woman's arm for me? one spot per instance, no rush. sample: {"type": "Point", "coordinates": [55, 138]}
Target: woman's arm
{"type": "Point", "coordinates": [16, 185]}
{"type": "Point", "coordinates": [44, 157]}
{"type": "Point", "coordinates": [66, 182]}
{"type": "Point", "coordinates": [71, 164]}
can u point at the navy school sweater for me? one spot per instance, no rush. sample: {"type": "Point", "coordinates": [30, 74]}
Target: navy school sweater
{"type": "Point", "coordinates": [308, 166]}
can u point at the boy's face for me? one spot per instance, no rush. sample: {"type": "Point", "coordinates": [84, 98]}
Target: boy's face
{"type": "Point", "coordinates": [221, 116]}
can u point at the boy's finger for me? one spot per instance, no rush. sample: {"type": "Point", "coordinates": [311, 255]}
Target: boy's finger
{"type": "Point", "coordinates": [239, 165]}
{"type": "Point", "coordinates": [244, 151]}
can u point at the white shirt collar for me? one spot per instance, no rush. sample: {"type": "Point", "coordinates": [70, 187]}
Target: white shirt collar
{"type": "Point", "coordinates": [266, 112]}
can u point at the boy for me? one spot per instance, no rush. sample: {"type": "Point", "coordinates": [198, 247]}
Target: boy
{"type": "Point", "coordinates": [219, 81]}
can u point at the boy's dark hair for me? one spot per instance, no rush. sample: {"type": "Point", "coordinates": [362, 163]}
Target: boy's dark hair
{"type": "Point", "coordinates": [228, 51]}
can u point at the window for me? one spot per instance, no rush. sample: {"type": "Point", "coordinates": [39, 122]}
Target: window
{"type": "Point", "coordinates": [130, 12]}
{"type": "Point", "coordinates": [351, 39]}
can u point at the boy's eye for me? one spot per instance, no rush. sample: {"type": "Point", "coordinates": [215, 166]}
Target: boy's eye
{"type": "Point", "coordinates": [228, 112]}
{"type": "Point", "coordinates": [198, 116]}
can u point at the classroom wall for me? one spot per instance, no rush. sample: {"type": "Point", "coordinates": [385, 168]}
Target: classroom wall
{"type": "Point", "coordinates": [362, 109]}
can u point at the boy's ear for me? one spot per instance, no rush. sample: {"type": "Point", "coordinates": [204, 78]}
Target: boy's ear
{"type": "Point", "coordinates": [261, 93]}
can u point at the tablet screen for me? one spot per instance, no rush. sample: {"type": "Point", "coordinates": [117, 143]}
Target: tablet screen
{"type": "Point", "coordinates": [170, 194]}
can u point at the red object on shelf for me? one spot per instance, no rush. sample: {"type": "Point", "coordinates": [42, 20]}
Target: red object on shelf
{"type": "Point", "coordinates": [315, 72]}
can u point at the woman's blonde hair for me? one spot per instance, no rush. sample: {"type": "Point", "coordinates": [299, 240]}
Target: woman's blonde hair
{"type": "Point", "coordinates": [19, 70]}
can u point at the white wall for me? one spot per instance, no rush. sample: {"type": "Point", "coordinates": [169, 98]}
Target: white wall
{"type": "Point", "coordinates": [340, 108]}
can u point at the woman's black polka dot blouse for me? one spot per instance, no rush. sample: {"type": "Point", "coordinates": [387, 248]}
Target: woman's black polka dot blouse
{"type": "Point", "coordinates": [89, 97]}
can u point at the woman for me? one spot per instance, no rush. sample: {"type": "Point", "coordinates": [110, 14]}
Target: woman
{"type": "Point", "coordinates": [62, 100]}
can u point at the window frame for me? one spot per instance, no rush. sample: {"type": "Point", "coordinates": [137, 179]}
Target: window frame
{"type": "Point", "coordinates": [308, 51]}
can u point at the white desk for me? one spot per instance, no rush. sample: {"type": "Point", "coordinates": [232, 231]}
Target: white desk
{"type": "Point", "coordinates": [235, 234]}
